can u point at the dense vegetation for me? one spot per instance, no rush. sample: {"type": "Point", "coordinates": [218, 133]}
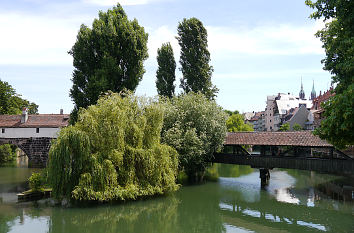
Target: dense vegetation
{"type": "Point", "coordinates": [338, 42]}
{"type": "Point", "coordinates": [109, 56]}
{"type": "Point", "coordinates": [11, 103]}
{"type": "Point", "coordinates": [195, 127]}
{"type": "Point", "coordinates": [113, 152]}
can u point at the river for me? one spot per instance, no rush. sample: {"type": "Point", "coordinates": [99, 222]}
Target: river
{"type": "Point", "coordinates": [294, 201]}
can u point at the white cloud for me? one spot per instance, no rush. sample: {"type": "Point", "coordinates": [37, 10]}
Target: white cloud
{"type": "Point", "coordinates": [122, 2]}
{"type": "Point", "coordinates": [31, 40]}
{"type": "Point", "coordinates": [161, 35]}
{"type": "Point", "coordinates": [280, 39]}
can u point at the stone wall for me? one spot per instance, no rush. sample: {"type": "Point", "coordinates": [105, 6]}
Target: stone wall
{"type": "Point", "coordinates": [36, 149]}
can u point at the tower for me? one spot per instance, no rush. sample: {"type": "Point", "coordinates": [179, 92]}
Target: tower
{"type": "Point", "coordinates": [313, 92]}
{"type": "Point", "coordinates": [302, 93]}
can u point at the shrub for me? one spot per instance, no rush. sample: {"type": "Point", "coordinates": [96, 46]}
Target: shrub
{"type": "Point", "coordinates": [36, 181]}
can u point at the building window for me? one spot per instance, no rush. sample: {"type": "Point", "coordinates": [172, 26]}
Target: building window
{"type": "Point", "coordinates": [2, 130]}
{"type": "Point", "coordinates": [270, 120]}
{"type": "Point", "coordinates": [37, 130]}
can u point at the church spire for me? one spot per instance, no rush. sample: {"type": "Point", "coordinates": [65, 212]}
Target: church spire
{"type": "Point", "coordinates": [302, 93]}
{"type": "Point", "coordinates": [313, 92]}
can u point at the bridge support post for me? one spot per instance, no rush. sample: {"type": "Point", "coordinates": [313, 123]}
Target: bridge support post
{"type": "Point", "coordinates": [265, 176]}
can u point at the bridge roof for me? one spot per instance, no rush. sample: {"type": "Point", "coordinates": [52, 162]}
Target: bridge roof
{"type": "Point", "coordinates": [298, 138]}
{"type": "Point", "coordinates": [35, 121]}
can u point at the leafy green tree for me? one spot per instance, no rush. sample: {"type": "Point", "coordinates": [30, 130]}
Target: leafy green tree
{"type": "Point", "coordinates": [231, 112]}
{"type": "Point", "coordinates": [338, 42]}
{"type": "Point", "coordinates": [195, 127]}
{"type": "Point", "coordinates": [165, 75]}
{"type": "Point", "coordinates": [284, 127]}
{"type": "Point", "coordinates": [297, 127]}
{"type": "Point", "coordinates": [113, 152]}
{"type": "Point", "coordinates": [109, 56]}
{"type": "Point", "coordinates": [11, 103]}
{"type": "Point", "coordinates": [236, 123]}
{"type": "Point", "coordinates": [195, 58]}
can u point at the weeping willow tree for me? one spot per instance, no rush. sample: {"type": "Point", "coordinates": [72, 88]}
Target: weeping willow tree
{"type": "Point", "coordinates": [113, 152]}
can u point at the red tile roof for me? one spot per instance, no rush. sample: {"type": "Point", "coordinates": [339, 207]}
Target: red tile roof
{"type": "Point", "coordinates": [35, 121]}
{"type": "Point", "coordinates": [298, 138]}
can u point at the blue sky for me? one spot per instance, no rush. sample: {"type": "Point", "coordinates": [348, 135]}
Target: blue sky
{"type": "Point", "coordinates": [257, 47]}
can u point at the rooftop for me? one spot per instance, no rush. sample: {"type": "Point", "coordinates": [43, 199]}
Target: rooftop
{"type": "Point", "coordinates": [298, 138]}
{"type": "Point", "coordinates": [35, 121]}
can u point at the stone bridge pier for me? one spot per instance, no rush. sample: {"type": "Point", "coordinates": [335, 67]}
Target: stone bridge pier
{"type": "Point", "coordinates": [36, 149]}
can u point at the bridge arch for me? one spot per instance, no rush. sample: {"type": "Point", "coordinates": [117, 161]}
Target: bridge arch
{"type": "Point", "coordinates": [36, 149]}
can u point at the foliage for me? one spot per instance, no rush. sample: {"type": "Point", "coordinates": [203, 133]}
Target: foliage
{"type": "Point", "coordinates": [7, 153]}
{"type": "Point", "coordinates": [195, 58]}
{"type": "Point", "coordinates": [109, 56]}
{"type": "Point", "coordinates": [195, 127]}
{"type": "Point", "coordinates": [284, 127]}
{"type": "Point", "coordinates": [338, 42]}
{"type": "Point", "coordinates": [36, 181]}
{"type": "Point", "coordinates": [11, 103]}
{"type": "Point", "coordinates": [165, 75]}
{"type": "Point", "coordinates": [338, 126]}
{"type": "Point", "coordinates": [236, 123]}
{"type": "Point", "coordinates": [113, 152]}
{"type": "Point", "coordinates": [231, 112]}
{"type": "Point", "coordinates": [297, 127]}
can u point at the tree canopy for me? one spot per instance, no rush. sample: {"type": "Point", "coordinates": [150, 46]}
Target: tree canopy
{"type": "Point", "coordinates": [195, 58]}
{"type": "Point", "coordinates": [236, 123]}
{"type": "Point", "coordinates": [165, 74]}
{"type": "Point", "coordinates": [109, 56]}
{"type": "Point", "coordinates": [11, 103]}
{"type": "Point", "coordinates": [113, 152]}
{"type": "Point", "coordinates": [338, 42]}
{"type": "Point", "coordinates": [284, 127]}
{"type": "Point", "coordinates": [195, 127]}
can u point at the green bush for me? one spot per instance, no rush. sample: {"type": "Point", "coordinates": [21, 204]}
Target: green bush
{"type": "Point", "coordinates": [196, 128]}
{"type": "Point", "coordinates": [36, 181]}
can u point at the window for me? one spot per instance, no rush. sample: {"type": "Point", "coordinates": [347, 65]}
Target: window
{"type": "Point", "coordinates": [270, 120]}
{"type": "Point", "coordinates": [37, 130]}
{"type": "Point", "coordinates": [2, 130]}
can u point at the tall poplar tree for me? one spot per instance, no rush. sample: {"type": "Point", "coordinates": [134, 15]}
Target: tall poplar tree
{"type": "Point", "coordinates": [338, 42]}
{"type": "Point", "coordinates": [165, 74]}
{"type": "Point", "coordinates": [109, 56]}
{"type": "Point", "coordinates": [195, 58]}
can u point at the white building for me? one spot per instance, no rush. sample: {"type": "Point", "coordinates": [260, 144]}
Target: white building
{"type": "Point", "coordinates": [32, 126]}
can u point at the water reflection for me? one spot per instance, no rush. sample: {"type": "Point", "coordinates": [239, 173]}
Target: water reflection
{"type": "Point", "coordinates": [291, 203]}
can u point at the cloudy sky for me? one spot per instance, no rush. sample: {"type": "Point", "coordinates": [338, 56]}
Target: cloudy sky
{"type": "Point", "coordinates": [257, 47]}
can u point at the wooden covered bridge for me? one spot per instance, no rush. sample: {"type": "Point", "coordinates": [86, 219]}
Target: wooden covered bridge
{"type": "Point", "coordinates": [293, 150]}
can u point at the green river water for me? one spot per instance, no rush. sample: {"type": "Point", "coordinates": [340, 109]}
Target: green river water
{"type": "Point", "coordinates": [294, 201]}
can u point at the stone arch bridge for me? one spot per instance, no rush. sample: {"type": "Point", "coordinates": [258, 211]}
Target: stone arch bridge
{"type": "Point", "coordinates": [32, 133]}
{"type": "Point", "coordinates": [36, 149]}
